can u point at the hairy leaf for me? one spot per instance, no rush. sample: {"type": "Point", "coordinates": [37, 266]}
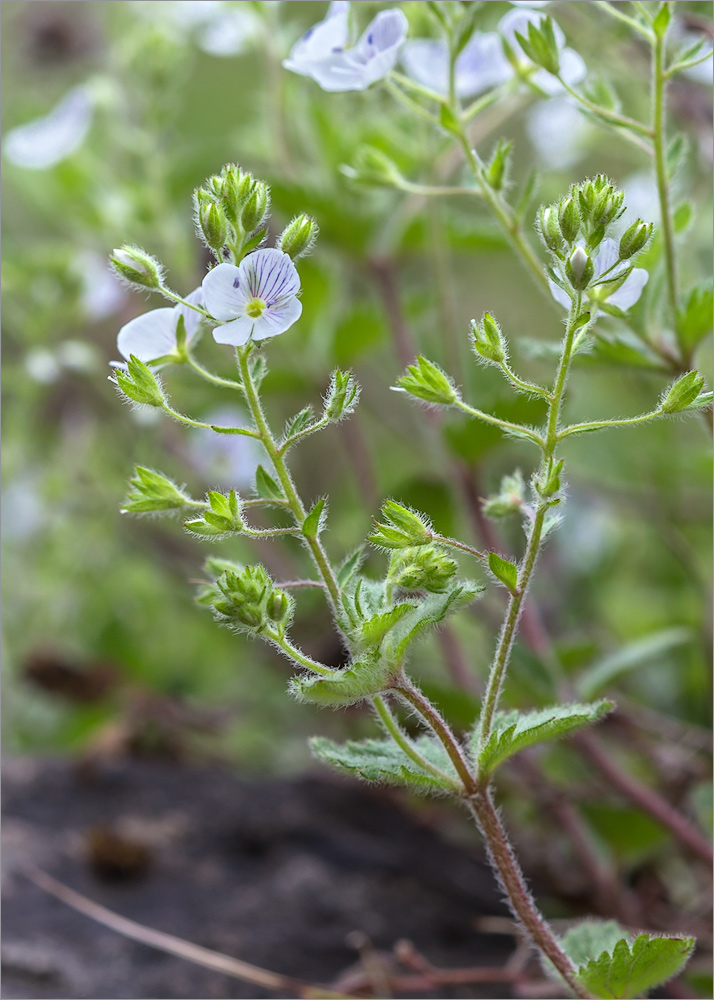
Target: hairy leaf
{"type": "Point", "coordinates": [383, 762]}
{"type": "Point", "coordinates": [630, 970]}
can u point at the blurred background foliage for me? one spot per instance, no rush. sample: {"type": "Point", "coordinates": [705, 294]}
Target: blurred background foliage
{"type": "Point", "coordinates": [103, 645]}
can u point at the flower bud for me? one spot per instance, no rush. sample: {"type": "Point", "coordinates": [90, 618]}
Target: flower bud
{"type": "Point", "coordinates": [151, 491]}
{"type": "Point", "coordinates": [488, 339]}
{"type": "Point", "coordinates": [569, 219]}
{"type": "Point", "coordinates": [550, 229]}
{"type": "Point", "coordinates": [342, 396]}
{"type": "Point", "coordinates": [400, 528]}
{"type": "Point", "coordinates": [549, 485]}
{"type": "Point", "coordinates": [541, 45]}
{"type": "Point", "coordinates": [236, 186]}
{"type": "Point", "coordinates": [213, 225]}
{"type": "Point", "coordinates": [498, 167]}
{"type": "Point", "coordinates": [427, 381]}
{"type": "Point", "coordinates": [139, 383]}
{"type": "Point", "coordinates": [682, 393]}
{"type": "Point", "coordinates": [299, 236]}
{"type": "Point", "coordinates": [510, 499]}
{"type": "Point", "coordinates": [137, 267]}
{"type": "Point", "coordinates": [278, 607]}
{"type": "Point", "coordinates": [423, 568]}
{"type": "Point", "coordinates": [634, 239]}
{"type": "Point", "coordinates": [256, 207]}
{"type": "Point", "coordinates": [579, 269]}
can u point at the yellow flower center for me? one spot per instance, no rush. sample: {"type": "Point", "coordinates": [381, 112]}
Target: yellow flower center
{"type": "Point", "coordinates": [255, 308]}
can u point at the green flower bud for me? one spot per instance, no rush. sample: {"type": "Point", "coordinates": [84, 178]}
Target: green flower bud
{"type": "Point", "coordinates": [245, 593]}
{"type": "Point", "coordinates": [151, 492]}
{"type": "Point", "coordinates": [137, 267]}
{"type": "Point", "coordinates": [373, 166]}
{"type": "Point", "coordinates": [213, 225]}
{"type": "Point", "coordinates": [634, 239]}
{"type": "Point", "coordinates": [236, 187]}
{"type": "Point", "coordinates": [497, 169]}
{"type": "Point", "coordinates": [541, 46]}
{"type": "Point", "coordinates": [510, 498]}
{"type": "Point", "coordinates": [139, 383]}
{"type": "Point", "coordinates": [400, 528]}
{"type": "Point", "coordinates": [488, 340]}
{"type": "Point", "coordinates": [579, 269]}
{"type": "Point", "coordinates": [428, 382]}
{"type": "Point", "coordinates": [342, 396]}
{"type": "Point", "coordinates": [682, 393]}
{"type": "Point", "coordinates": [549, 485]}
{"type": "Point", "coordinates": [550, 229]}
{"type": "Point", "coordinates": [569, 219]}
{"type": "Point", "coordinates": [256, 207]}
{"type": "Point", "coordinates": [423, 568]}
{"type": "Point", "coordinates": [299, 236]}
{"type": "Point", "coordinates": [278, 607]}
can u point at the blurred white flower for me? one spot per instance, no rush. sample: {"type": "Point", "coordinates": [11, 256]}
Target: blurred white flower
{"type": "Point", "coordinates": [45, 366]}
{"type": "Point", "coordinates": [641, 198]}
{"type": "Point", "coordinates": [219, 28]}
{"type": "Point", "coordinates": [321, 53]}
{"type": "Point", "coordinates": [256, 300]}
{"type": "Point", "coordinates": [227, 461]}
{"type": "Point", "coordinates": [572, 67]}
{"type": "Point", "coordinates": [46, 141]}
{"type": "Point", "coordinates": [153, 335]}
{"type": "Point", "coordinates": [102, 293]}
{"type": "Point", "coordinates": [480, 66]}
{"type": "Point", "coordinates": [528, 3]}
{"type": "Point", "coordinates": [557, 132]}
{"type": "Point", "coordinates": [623, 297]}
{"type": "Point", "coordinates": [42, 366]}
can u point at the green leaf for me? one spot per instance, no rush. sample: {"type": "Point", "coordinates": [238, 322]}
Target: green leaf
{"type": "Point", "coordinates": [630, 970]}
{"type": "Point", "coordinates": [590, 938]}
{"type": "Point", "coordinates": [504, 570]}
{"type": "Point", "coordinates": [314, 522]}
{"type": "Point", "coordinates": [266, 487]}
{"type": "Point", "coordinates": [661, 21]}
{"type": "Point", "coordinates": [641, 653]}
{"type": "Point", "coordinates": [695, 320]}
{"type": "Point", "coordinates": [682, 217]}
{"type": "Point", "coordinates": [676, 151]}
{"type": "Point", "coordinates": [201, 527]}
{"type": "Point", "coordinates": [360, 680]}
{"type": "Point", "coordinates": [376, 627]}
{"type": "Point", "coordinates": [448, 120]}
{"type": "Point", "coordinates": [424, 617]}
{"type": "Point", "coordinates": [298, 423]}
{"type": "Point", "coordinates": [383, 762]}
{"type": "Point", "coordinates": [514, 731]}
{"type": "Point", "coordinates": [349, 567]}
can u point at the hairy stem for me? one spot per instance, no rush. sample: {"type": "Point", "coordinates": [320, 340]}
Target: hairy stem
{"type": "Point", "coordinates": [659, 130]}
{"type": "Point", "coordinates": [404, 743]}
{"type": "Point", "coordinates": [504, 861]}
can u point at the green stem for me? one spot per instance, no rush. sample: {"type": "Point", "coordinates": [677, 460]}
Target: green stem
{"type": "Point", "coordinates": [227, 383]}
{"type": "Point", "coordinates": [620, 16]}
{"type": "Point", "coordinates": [293, 653]}
{"type": "Point", "coordinates": [505, 425]}
{"type": "Point", "coordinates": [286, 445]}
{"type": "Point", "coordinates": [294, 502]}
{"type": "Point", "coordinates": [529, 387]}
{"type": "Point", "coordinates": [597, 425]}
{"type": "Point", "coordinates": [621, 121]}
{"type": "Point", "coordinates": [660, 142]}
{"type": "Point", "coordinates": [515, 603]}
{"type": "Point", "coordinates": [210, 427]}
{"type": "Point", "coordinates": [409, 102]}
{"type": "Point", "coordinates": [168, 294]}
{"type": "Point", "coordinates": [404, 743]}
{"type": "Point", "coordinates": [443, 540]}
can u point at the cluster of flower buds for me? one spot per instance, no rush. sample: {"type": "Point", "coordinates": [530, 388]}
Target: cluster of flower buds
{"type": "Point", "coordinates": [488, 341]}
{"type": "Point", "coordinates": [246, 598]}
{"type": "Point", "coordinates": [136, 267]}
{"type": "Point", "coordinates": [342, 396]}
{"type": "Point", "coordinates": [230, 207]}
{"type": "Point", "coordinates": [423, 567]}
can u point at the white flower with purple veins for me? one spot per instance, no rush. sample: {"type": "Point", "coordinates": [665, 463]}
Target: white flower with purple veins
{"type": "Point", "coordinates": [254, 301]}
{"type": "Point", "coordinates": [572, 67]}
{"type": "Point", "coordinates": [322, 51]}
{"type": "Point", "coordinates": [622, 297]}
{"type": "Point", "coordinates": [153, 336]}
{"type": "Point", "coordinates": [46, 141]}
{"type": "Point", "coordinates": [479, 67]}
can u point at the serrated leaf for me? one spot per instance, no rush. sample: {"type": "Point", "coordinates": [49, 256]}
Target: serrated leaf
{"type": "Point", "coordinates": [590, 938]}
{"type": "Point", "coordinates": [266, 487]}
{"type": "Point", "coordinates": [641, 653]}
{"type": "Point", "coordinates": [630, 970]}
{"type": "Point", "coordinates": [504, 570]}
{"type": "Point", "coordinates": [515, 731]}
{"type": "Point", "coordinates": [360, 680]}
{"type": "Point", "coordinates": [426, 616]}
{"type": "Point", "coordinates": [375, 628]}
{"type": "Point", "coordinates": [313, 523]}
{"type": "Point", "coordinates": [383, 762]}
{"type": "Point", "coordinates": [349, 567]}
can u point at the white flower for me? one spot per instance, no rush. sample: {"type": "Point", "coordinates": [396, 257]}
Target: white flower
{"type": "Point", "coordinates": [220, 29]}
{"type": "Point", "coordinates": [46, 141]}
{"type": "Point", "coordinates": [557, 131]}
{"type": "Point", "coordinates": [479, 67]}
{"type": "Point", "coordinates": [256, 300]}
{"type": "Point", "coordinates": [153, 335]}
{"type": "Point", "coordinates": [102, 292]}
{"type": "Point", "coordinates": [322, 55]}
{"type": "Point", "coordinates": [623, 297]}
{"type": "Point", "coordinates": [572, 67]}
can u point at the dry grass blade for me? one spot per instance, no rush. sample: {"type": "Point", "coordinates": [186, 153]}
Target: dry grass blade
{"type": "Point", "coordinates": [286, 985]}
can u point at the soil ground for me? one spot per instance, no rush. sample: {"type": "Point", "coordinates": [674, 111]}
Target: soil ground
{"type": "Point", "coordinates": [278, 874]}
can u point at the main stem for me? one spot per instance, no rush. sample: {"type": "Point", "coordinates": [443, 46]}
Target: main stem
{"type": "Point", "coordinates": [660, 148]}
{"type": "Point", "coordinates": [515, 604]}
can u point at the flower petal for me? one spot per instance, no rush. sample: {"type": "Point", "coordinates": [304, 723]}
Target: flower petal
{"type": "Point", "coordinates": [608, 254]}
{"type": "Point", "coordinates": [191, 318]}
{"type": "Point", "coordinates": [426, 60]}
{"type": "Point", "coordinates": [572, 67]}
{"type": "Point", "coordinates": [278, 319]}
{"type": "Point", "coordinates": [267, 275]}
{"type": "Point", "coordinates": [481, 65]}
{"type": "Point", "coordinates": [237, 332]}
{"type": "Point", "coordinates": [44, 142]}
{"type": "Point", "coordinates": [629, 293]}
{"type": "Point", "coordinates": [559, 294]}
{"type": "Point", "coordinates": [319, 42]}
{"type": "Point", "coordinates": [223, 293]}
{"type": "Point", "coordinates": [557, 132]}
{"type": "Point", "coordinates": [149, 336]}
{"type": "Point", "coordinates": [380, 43]}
